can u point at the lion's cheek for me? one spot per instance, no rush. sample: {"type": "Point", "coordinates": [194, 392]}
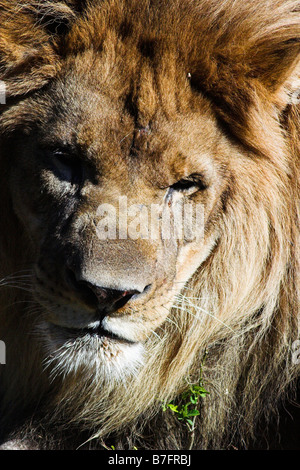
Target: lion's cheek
{"type": "Point", "coordinates": [190, 258]}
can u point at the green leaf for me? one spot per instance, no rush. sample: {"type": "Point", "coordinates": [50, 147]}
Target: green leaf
{"type": "Point", "coordinates": [173, 407]}
{"type": "Point", "coordinates": [202, 390]}
{"type": "Point", "coordinates": [193, 413]}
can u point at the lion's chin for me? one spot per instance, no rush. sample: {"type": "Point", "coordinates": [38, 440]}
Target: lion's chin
{"type": "Point", "coordinates": [108, 358]}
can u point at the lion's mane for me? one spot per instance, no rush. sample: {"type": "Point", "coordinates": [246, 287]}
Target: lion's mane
{"type": "Point", "coordinates": [242, 305]}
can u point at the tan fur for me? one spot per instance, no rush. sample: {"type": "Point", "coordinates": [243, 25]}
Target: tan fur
{"type": "Point", "coordinates": [151, 92]}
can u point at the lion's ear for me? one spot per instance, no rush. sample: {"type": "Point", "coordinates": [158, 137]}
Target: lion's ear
{"type": "Point", "coordinates": [277, 67]}
{"type": "Point", "coordinates": [29, 37]}
{"type": "Point", "coordinates": [288, 91]}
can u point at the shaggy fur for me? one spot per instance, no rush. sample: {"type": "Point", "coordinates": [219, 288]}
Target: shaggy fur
{"type": "Point", "coordinates": [235, 65]}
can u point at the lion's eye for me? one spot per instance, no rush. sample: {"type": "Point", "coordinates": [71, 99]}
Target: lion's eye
{"type": "Point", "coordinates": [190, 184]}
{"type": "Point", "coordinates": [67, 167]}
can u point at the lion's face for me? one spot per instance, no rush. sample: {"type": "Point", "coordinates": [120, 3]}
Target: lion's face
{"type": "Point", "coordinates": [149, 162]}
{"type": "Point", "coordinates": [99, 173]}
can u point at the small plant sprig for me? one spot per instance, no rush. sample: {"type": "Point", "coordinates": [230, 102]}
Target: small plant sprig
{"type": "Point", "coordinates": [186, 410]}
{"type": "Point", "coordinates": [112, 447]}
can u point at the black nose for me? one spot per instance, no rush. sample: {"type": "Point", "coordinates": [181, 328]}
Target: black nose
{"type": "Point", "coordinates": [103, 299]}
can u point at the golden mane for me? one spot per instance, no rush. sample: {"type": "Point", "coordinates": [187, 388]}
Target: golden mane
{"type": "Point", "coordinates": [242, 304]}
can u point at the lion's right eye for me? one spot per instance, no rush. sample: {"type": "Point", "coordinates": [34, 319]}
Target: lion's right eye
{"type": "Point", "coordinates": [67, 167]}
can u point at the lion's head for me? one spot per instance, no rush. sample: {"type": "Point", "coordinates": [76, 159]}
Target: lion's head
{"type": "Point", "coordinates": [149, 214]}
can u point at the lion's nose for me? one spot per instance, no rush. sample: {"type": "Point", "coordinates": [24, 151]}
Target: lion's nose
{"type": "Point", "coordinates": [105, 300]}
{"type": "Point", "coordinates": [108, 300]}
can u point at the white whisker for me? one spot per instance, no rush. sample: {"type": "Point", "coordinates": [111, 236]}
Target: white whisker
{"type": "Point", "coordinates": [197, 307]}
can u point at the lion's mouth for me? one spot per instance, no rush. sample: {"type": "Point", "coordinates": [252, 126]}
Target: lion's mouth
{"type": "Point", "coordinates": [96, 330]}
{"type": "Point", "coordinates": [110, 356]}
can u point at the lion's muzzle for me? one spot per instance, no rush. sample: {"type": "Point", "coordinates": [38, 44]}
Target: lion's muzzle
{"type": "Point", "coordinates": [104, 300]}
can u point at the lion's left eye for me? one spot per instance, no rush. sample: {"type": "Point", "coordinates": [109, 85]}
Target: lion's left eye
{"type": "Point", "coordinates": [190, 184]}
{"type": "Point", "coordinates": [68, 168]}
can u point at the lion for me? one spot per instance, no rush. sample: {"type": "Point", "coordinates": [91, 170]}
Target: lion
{"type": "Point", "coordinates": [172, 105]}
